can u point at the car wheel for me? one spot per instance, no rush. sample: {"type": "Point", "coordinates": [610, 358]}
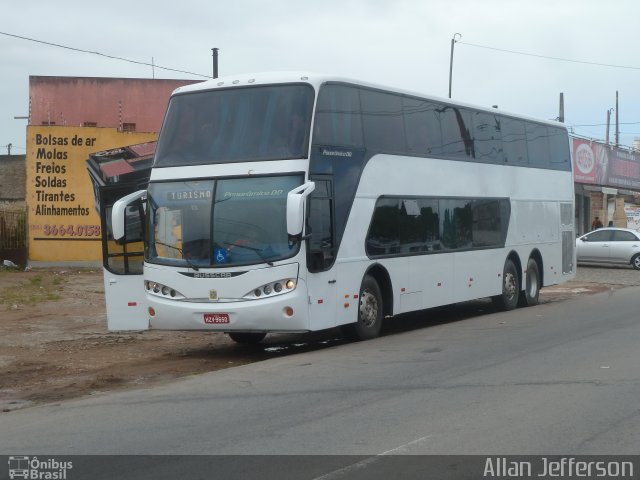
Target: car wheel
{"type": "Point", "coordinates": [247, 338]}
{"type": "Point", "coordinates": [529, 296]}
{"type": "Point", "coordinates": [635, 261]}
{"type": "Point", "coordinates": [508, 300]}
{"type": "Point", "coordinates": [370, 312]}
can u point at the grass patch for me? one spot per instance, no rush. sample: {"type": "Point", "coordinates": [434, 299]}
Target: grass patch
{"type": "Point", "coordinates": [32, 291]}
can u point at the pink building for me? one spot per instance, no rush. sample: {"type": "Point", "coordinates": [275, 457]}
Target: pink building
{"type": "Point", "coordinates": [130, 104]}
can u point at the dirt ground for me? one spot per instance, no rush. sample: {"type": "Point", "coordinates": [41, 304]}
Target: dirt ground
{"type": "Point", "coordinates": [54, 343]}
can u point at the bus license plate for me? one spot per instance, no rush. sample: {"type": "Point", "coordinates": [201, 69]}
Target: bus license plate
{"type": "Point", "coordinates": [216, 318]}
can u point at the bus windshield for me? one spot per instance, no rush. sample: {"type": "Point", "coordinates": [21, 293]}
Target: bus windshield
{"type": "Point", "coordinates": [219, 223]}
{"type": "Point", "coordinates": [236, 125]}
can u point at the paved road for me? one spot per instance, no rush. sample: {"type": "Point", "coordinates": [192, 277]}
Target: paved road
{"type": "Point", "coordinates": [560, 378]}
{"type": "Point", "coordinates": [606, 274]}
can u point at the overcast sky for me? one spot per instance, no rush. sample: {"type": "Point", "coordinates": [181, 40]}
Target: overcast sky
{"type": "Point", "coordinates": [403, 43]}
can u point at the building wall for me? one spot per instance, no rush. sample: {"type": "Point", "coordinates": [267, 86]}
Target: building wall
{"type": "Point", "coordinates": [64, 225]}
{"type": "Point", "coordinates": [100, 102]}
{"type": "Point", "coordinates": [12, 179]}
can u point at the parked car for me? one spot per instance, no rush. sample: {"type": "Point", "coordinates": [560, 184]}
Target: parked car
{"type": "Point", "coordinates": [610, 245]}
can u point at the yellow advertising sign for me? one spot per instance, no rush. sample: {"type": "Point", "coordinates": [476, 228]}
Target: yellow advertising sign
{"type": "Point", "coordinates": [63, 223]}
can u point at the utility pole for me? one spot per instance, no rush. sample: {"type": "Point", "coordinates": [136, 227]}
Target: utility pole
{"type": "Point", "coordinates": [453, 42]}
{"type": "Point", "coordinates": [561, 114]}
{"type": "Point", "coordinates": [606, 136]}
{"type": "Point", "coordinates": [617, 122]}
{"type": "Point", "coordinates": [9, 149]}
{"type": "Point", "coordinates": [214, 54]}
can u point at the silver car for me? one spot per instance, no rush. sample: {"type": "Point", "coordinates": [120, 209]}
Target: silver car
{"type": "Point", "coordinates": [610, 245]}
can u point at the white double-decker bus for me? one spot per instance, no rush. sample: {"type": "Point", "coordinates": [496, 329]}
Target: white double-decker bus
{"type": "Point", "coordinates": [294, 203]}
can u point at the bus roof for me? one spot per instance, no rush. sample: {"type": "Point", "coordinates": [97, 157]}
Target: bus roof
{"type": "Point", "coordinates": [317, 79]}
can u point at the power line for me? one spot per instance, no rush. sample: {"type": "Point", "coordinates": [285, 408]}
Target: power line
{"type": "Point", "coordinates": [113, 57]}
{"type": "Point", "coordinates": [604, 124]}
{"type": "Point", "coordinates": [515, 52]}
{"type": "Point", "coordinates": [608, 65]}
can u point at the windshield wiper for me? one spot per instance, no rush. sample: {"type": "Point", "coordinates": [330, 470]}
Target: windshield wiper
{"type": "Point", "coordinates": [258, 251]}
{"type": "Point", "coordinates": [191, 265]}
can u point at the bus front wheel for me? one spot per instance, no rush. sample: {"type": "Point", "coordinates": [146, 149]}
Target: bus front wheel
{"type": "Point", "coordinates": [508, 300]}
{"type": "Point", "coordinates": [370, 312]}
{"type": "Point", "coordinates": [247, 338]}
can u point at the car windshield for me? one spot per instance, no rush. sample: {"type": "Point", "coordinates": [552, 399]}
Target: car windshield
{"type": "Point", "coordinates": [239, 124]}
{"type": "Point", "coordinates": [219, 223]}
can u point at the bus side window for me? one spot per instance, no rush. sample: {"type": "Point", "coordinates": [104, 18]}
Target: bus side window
{"type": "Point", "coordinates": [382, 122]}
{"type": "Point", "coordinates": [487, 138]}
{"type": "Point", "coordinates": [538, 145]}
{"type": "Point", "coordinates": [456, 132]}
{"type": "Point", "coordinates": [559, 149]}
{"type": "Point", "coordinates": [514, 141]}
{"type": "Point", "coordinates": [422, 128]}
{"type": "Point", "coordinates": [338, 119]}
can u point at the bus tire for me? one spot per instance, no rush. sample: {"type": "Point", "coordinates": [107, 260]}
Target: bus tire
{"type": "Point", "coordinates": [508, 299]}
{"type": "Point", "coordinates": [247, 338]}
{"type": "Point", "coordinates": [370, 312]}
{"type": "Point", "coordinates": [529, 296]}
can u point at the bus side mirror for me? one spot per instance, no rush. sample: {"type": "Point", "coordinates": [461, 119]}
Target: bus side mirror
{"type": "Point", "coordinates": [295, 208]}
{"type": "Point", "coordinates": [122, 220]}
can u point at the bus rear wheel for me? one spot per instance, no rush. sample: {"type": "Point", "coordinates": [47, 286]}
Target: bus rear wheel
{"type": "Point", "coordinates": [247, 338]}
{"type": "Point", "coordinates": [508, 299]}
{"type": "Point", "coordinates": [370, 312]}
{"type": "Point", "coordinates": [529, 296]}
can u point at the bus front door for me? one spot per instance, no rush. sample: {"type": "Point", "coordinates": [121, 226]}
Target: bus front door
{"type": "Point", "coordinates": [322, 278]}
{"type": "Point", "coordinates": [123, 263]}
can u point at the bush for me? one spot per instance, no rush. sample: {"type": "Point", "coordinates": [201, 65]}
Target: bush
{"type": "Point", "coordinates": [13, 229]}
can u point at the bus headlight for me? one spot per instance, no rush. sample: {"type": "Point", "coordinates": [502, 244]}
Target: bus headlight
{"type": "Point", "coordinates": [278, 287]}
{"type": "Point", "coordinates": [155, 288]}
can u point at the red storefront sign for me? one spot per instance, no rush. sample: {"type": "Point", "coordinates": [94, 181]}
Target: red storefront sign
{"type": "Point", "coordinates": [600, 164]}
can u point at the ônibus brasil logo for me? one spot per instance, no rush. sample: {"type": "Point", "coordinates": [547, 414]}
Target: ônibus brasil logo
{"type": "Point", "coordinates": [33, 468]}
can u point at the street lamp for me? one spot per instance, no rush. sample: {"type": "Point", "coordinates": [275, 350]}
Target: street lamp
{"type": "Point", "coordinates": [456, 37]}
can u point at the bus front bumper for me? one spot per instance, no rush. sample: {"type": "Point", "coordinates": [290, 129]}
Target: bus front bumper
{"type": "Point", "coordinates": [280, 313]}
